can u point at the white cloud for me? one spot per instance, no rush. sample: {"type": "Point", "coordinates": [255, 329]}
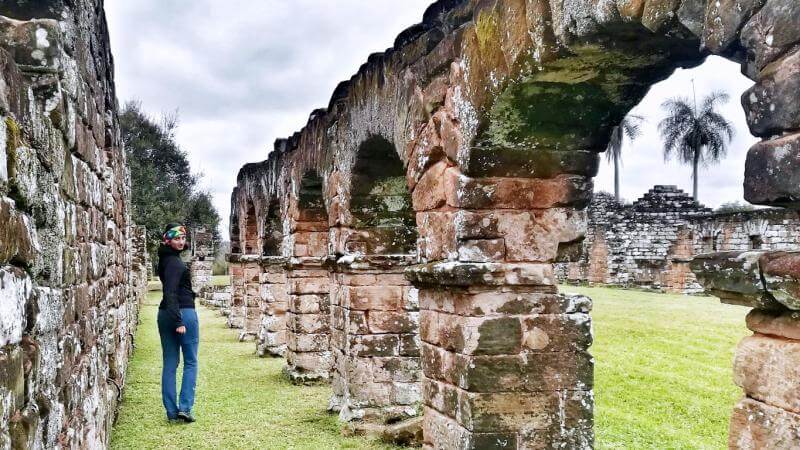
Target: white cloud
{"type": "Point", "coordinates": [244, 73]}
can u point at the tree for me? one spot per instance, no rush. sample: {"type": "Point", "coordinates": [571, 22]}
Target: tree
{"type": "Point", "coordinates": [695, 136]}
{"type": "Point", "coordinates": [735, 206]}
{"type": "Point", "coordinates": [163, 188]}
{"type": "Point", "coordinates": [630, 126]}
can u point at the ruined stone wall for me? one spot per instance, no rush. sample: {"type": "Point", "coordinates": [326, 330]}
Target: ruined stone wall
{"type": "Point", "coordinates": [633, 244]}
{"type": "Point", "coordinates": [650, 242]}
{"type": "Point", "coordinates": [202, 259]}
{"type": "Point", "coordinates": [771, 229]}
{"type": "Point", "coordinates": [72, 266]}
{"type": "Point", "coordinates": [497, 111]}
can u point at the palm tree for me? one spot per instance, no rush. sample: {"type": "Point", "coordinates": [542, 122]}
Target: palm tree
{"type": "Point", "coordinates": [695, 136]}
{"type": "Point", "coordinates": [630, 126]}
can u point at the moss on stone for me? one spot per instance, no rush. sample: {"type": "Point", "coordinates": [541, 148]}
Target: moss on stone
{"type": "Point", "coordinates": [487, 31]}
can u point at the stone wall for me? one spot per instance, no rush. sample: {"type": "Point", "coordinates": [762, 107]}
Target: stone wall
{"type": "Point", "coordinates": [72, 266]}
{"type": "Point", "coordinates": [470, 146]}
{"type": "Point", "coordinates": [202, 259]}
{"type": "Point", "coordinates": [650, 242]}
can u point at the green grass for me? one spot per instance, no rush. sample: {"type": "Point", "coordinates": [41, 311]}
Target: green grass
{"type": "Point", "coordinates": [662, 381]}
{"type": "Point", "coordinates": [663, 377]}
{"type": "Point", "coordinates": [243, 402]}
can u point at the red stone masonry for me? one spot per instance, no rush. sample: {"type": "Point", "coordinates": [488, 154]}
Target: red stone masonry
{"type": "Point", "coordinates": [496, 111]}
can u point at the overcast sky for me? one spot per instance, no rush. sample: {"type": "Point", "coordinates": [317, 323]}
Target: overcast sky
{"type": "Point", "coordinates": [242, 73]}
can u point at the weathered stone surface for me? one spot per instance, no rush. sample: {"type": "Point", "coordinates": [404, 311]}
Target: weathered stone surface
{"type": "Point", "coordinates": [768, 369]}
{"type": "Point", "coordinates": [776, 323]}
{"type": "Point", "coordinates": [724, 19]}
{"type": "Point", "coordinates": [755, 425]}
{"type": "Point", "coordinates": [73, 268]}
{"type": "Point", "coordinates": [769, 104]}
{"type": "Point", "coordinates": [734, 277]}
{"type": "Point", "coordinates": [770, 177]}
{"type": "Point", "coordinates": [472, 144]}
{"type": "Point", "coordinates": [781, 275]}
{"type": "Point", "coordinates": [771, 32]}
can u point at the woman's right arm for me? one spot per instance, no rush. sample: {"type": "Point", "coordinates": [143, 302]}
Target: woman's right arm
{"type": "Point", "coordinates": [172, 279]}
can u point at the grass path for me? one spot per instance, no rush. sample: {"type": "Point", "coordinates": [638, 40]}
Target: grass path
{"type": "Point", "coordinates": [663, 369]}
{"type": "Point", "coordinates": [242, 401]}
{"type": "Point", "coordinates": [662, 381]}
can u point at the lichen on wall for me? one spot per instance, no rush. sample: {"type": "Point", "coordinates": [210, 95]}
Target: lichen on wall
{"type": "Point", "coordinates": [72, 265]}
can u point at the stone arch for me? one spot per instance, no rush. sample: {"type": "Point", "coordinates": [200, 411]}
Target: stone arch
{"type": "Point", "coordinates": [380, 202]}
{"type": "Point", "coordinates": [272, 230]}
{"type": "Point", "coordinates": [308, 354]}
{"type": "Point", "coordinates": [375, 319]}
{"type": "Point", "coordinates": [251, 240]}
{"type": "Point", "coordinates": [499, 110]}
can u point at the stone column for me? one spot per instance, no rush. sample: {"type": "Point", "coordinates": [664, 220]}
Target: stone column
{"type": "Point", "coordinates": [202, 262]}
{"type": "Point", "coordinates": [375, 341]}
{"type": "Point", "coordinates": [252, 297]}
{"type": "Point", "coordinates": [505, 358]}
{"type": "Point", "coordinates": [274, 304]}
{"type": "Point", "coordinates": [766, 363]}
{"type": "Point", "coordinates": [235, 308]}
{"type": "Point", "coordinates": [308, 355]}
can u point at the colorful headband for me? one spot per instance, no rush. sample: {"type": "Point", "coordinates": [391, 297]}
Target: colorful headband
{"type": "Point", "coordinates": [175, 232]}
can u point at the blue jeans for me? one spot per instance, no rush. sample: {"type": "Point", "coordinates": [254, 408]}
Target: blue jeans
{"type": "Point", "coordinates": [172, 344]}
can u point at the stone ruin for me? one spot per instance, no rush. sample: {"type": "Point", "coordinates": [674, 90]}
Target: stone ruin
{"type": "Point", "coordinates": [201, 263]}
{"type": "Point", "coordinates": [72, 265]}
{"type": "Point", "coordinates": [462, 159]}
{"type": "Point", "coordinates": [651, 242]}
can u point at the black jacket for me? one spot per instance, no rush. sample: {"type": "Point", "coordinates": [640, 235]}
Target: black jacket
{"type": "Point", "coordinates": [176, 282]}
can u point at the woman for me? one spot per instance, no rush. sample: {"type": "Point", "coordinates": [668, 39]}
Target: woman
{"type": "Point", "coordinates": [177, 325]}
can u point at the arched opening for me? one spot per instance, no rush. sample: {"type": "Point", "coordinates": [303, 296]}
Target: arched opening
{"type": "Point", "coordinates": [375, 313]}
{"type": "Point", "coordinates": [380, 202]}
{"type": "Point", "coordinates": [654, 231]}
{"type": "Point", "coordinates": [308, 355]}
{"type": "Point", "coordinates": [251, 246]}
{"type": "Point", "coordinates": [543, 135]}
{"type": "Point", "coordinates": [311, 221]}
{"type": "Point", "coordinates": [272, 238]}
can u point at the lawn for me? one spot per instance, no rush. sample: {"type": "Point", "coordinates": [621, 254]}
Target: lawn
{"type": "Point", "coordinates": [663, 369]}
{"type": "Point", "coordinates": [662, 381]}
{"type": "Point", "coordinates": [242, 401]}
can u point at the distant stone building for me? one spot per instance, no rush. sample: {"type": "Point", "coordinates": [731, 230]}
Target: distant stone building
{"type": "Point", "coordinates": [650, 242]}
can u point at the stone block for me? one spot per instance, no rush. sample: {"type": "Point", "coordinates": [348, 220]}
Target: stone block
{"type": "Point", "coordinates": [770, 106]}
{"type": "Point", "coordinates": [781, 276]}
{"type": "Point", "coordinates": [489, 302]}
{"type": "Point", "coordinates": [527, 372]}
{"type": "Point", "coordinates": [363, 298]}
{"type": "Point", "coordinates": [18, 238]}
{"type": "Point", "coordinates": [375, 345]}
{"type": "Point", "coordinates": [393, 322]}
{"type": "Point", "coordinates": [306, 304]}
{"type": "Point", "coordinates": [724, 19]}
{"type": "Point", "coordinates": [768, 369]}
{"type": "Point", "coordinates": [16, 289]}
{"type": "Point", "coordinates": [776, 323]}
{"type": "Point", "coordinates": [303, 286]}
{"type": "Point", "coordinates": [771, 32]}
{"type": "Point", "coordinates": [516, 193]}
{"type": "Point", "coordinates": [755, 425]}
{"type": "Point", "coordinates": [477, 274]}
{"type": "Point", "coordinates": [482, 250]}
{"type": "Point", "coordinates": [530, 163]}
{"type": "Point", "coordinates": [557, 332]}
{"type": "Point", "coordinates": [429, 192]}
